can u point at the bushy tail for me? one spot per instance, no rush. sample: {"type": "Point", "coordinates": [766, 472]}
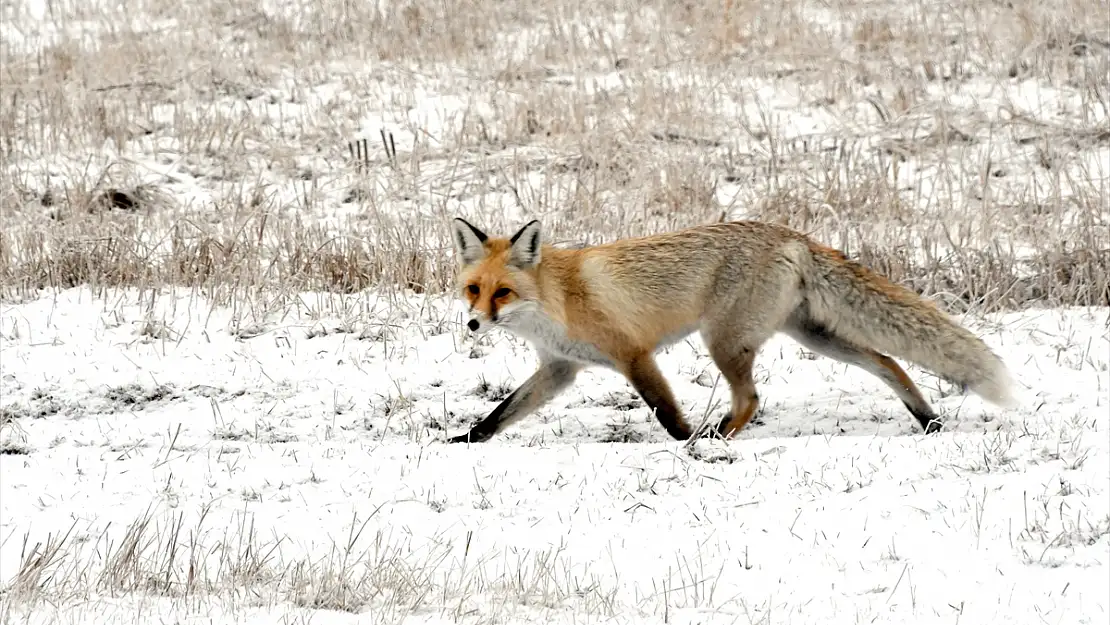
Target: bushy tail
{"type": "Point", "coordinates": [865, 308]}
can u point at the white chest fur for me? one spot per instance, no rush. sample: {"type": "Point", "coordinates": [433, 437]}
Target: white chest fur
{"type": "Point", "coordinates": [550, 336]}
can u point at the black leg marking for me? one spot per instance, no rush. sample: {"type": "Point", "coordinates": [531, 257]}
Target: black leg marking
{"type": "Point", "coordinates": [656, 393]}
{"type": "Point", "coordinates": [548, 381]}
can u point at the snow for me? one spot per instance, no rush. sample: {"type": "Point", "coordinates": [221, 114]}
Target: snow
{"type": "Point", "coordinates": [278, 458]}
{"type": "Point", "coordinates": [312, 437]}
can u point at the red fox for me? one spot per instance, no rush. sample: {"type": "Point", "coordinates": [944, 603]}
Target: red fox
{"type": "Point", "coordinates": [737, 284]}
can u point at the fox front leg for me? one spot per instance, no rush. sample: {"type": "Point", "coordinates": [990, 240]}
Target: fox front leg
{"type": "Point", "coordinates": [553, 377]}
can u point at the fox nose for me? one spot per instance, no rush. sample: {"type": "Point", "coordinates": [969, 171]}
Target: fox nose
{"type": "Point", "coordinates": [473, 325]}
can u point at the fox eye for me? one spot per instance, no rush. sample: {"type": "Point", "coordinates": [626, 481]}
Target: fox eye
{"type": "Point", "coordinates": [502, 292]}
{"type": "Point", "coordinates": [473, 288]}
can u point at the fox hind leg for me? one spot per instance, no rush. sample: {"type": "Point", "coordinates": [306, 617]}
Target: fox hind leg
{"type": "Point", "coordinates": [819, 340]}
{"type": "Point", "coordinates": [735, 333]}
{"type": "Point", "coordinates": [735, 363]}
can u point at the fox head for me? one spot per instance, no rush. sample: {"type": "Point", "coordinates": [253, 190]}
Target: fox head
{"type": "Point", "coordinates": [497, 277]}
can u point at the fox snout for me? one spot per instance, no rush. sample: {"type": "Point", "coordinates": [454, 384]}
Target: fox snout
{"type": "Point", "coordinates": [479, 324]}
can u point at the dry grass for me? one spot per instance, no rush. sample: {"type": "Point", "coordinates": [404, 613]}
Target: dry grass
{"type": "Point", "coordinates": [252, 152]}
{"type": "Point", "coordinates": [383, 575]}
{"type": "Point", "coordinates": [961, 147]}
{"type": "Point", "coordinates": [386, 571]}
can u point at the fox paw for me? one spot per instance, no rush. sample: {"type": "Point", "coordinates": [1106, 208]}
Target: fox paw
{"type": "Point", "coordinates": [468, 437]}
{"type": "Point", "coordinates": [712, 451]}
{"type": "Point", "coordinates": [932, 427]}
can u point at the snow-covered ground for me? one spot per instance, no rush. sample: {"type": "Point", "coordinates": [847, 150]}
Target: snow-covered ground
{"type": "Point", "coordinates": [269, 456]}
{"type": "Point", "coordinates": [181, 462]}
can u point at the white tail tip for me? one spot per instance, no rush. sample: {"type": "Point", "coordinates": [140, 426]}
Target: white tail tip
{"type": "Point", "coordinates": [997, 388]}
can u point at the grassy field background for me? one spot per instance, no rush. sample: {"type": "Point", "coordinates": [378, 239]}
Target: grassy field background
{"type": "Point", "coordinates": [960, 147]}
{"type": "Point", "coordinates": [229, 349]}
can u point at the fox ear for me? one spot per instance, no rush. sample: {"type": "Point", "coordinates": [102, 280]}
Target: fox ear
{"type": "Point", "coordinates": [469, 241]}
{"type": "Point", "coordinates": [525, 251]}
